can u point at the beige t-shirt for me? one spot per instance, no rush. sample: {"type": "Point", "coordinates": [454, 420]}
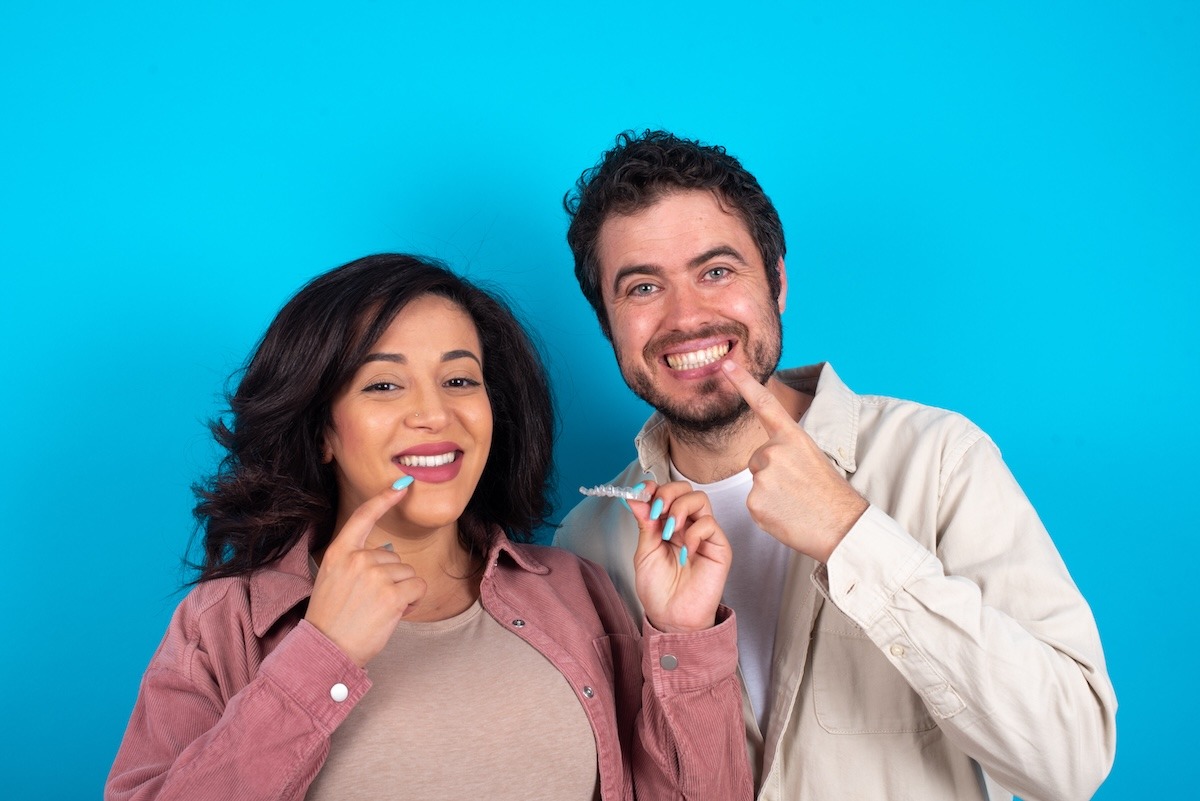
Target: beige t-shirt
{"type": "Point", "coordinates": [462, 708]}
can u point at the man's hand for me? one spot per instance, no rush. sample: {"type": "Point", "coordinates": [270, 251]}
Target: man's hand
{"type": "Point", "coordinates": [679, 579]}
{"type": "Point", "coordinates": [798, 497]}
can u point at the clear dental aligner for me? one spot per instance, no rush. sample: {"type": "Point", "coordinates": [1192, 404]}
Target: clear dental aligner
{"type": "Point", "coordinates": [614, 491]}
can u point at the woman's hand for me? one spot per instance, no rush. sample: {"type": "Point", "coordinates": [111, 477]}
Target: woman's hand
{"type": "Point", "coordinates": [361, 593]}
{"type": "Point", "coordinates": [679, 579]}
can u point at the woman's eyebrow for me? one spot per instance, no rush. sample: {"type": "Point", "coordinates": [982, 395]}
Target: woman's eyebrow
{"type": "Point", "coordinates": [451, 355]}
{"type": "Point", "coordinates": [398, 358]}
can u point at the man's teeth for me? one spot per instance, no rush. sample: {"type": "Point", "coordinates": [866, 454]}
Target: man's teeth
{"type": "Point", "coordinates": [428, 461]}
{"type": "Point", "coordinates": [696, 358]}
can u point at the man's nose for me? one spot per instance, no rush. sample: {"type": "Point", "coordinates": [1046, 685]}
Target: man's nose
{"type": "Point", "coordinates": [687, 308]}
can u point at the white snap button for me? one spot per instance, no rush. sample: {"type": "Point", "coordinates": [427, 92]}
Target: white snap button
{"type": "Point", "coordinates": [897, 651]}
{"type": "Point", "coordinates": [587, 691]}
{"type": "Point", "coordinates": [668, 662]}
{"type": "Point", "coordinates": [339, 692]}
{"type": "Point", "coordinates": [518, 623]}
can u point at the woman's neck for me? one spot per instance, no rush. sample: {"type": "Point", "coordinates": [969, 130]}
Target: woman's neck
{"type": "Point", "coordinates": [451, 573]}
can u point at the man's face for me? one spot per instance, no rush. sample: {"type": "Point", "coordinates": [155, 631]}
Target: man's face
{"type": "Point", "coordinates": [685, 288]}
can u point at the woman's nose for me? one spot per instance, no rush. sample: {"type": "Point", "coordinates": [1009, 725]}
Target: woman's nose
{"type": "Point", "coordinates": [428, 411]}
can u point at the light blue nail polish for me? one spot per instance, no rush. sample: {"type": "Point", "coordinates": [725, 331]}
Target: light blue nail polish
{"type": "Point", "coordinates": [669, 528]}
{"type": "Point", "coordinates": [402, 482]}
{"type": "Point", "coordinates": [683, 556]}
{"type": "Point", "coordinates": [656, 508]}
{"type": "Point", "coordinates": [641, 485]}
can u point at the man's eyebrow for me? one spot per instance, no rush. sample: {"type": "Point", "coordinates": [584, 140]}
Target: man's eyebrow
{"type": "Point", "coordinates": [634, 269]}
{"type": "Point", "coordinates": [652, 270]}
{"type": "Point", "coordinates": [715, 253]}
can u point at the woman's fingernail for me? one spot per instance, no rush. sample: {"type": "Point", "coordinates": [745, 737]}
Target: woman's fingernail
{"type": "Point", "coordinates": [641, 485]}
{"type": "Point", "coordinates": [402, 482]}
{"type": "Point", "coordinates": [669, 528]}
{"type": "Point", "coordinates": [387, 546]}
{"type": "Point", "coordinates": [656, 508]}
{"type": "Point", "coordinates": [683, 556]}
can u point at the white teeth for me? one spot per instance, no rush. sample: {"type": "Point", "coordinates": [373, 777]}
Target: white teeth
{"type": "Point", "coordinates": [428, 461]}
{"type": "Point", "coordinates": [697, 358]}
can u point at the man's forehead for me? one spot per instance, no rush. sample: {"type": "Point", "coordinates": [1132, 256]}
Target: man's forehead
{"type": "Point", "coordinates": [680, 225]}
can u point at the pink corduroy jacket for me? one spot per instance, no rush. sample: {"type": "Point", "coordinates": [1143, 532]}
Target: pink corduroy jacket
{"type": "Point", "coordinates": [242, 696]}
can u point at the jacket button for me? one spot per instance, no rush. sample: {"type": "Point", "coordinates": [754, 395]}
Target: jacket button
{"type": "Point", "coordinates": [897, 651]}
{"type": "Point", "coordinates": [339, 692]}
{"type": "Point", "coordinates": [669, 662]}
{"type": "Point", "coordinates": [587, 691]}
{"type": "Point", "coordinates": [519, 623]}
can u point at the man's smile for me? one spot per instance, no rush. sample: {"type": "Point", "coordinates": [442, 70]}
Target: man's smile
{"type": "Point", "coordinates": [690, 360]}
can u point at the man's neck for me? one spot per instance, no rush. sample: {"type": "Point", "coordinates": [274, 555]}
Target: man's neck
{"type": "Point", "coordinates": [714, 455]}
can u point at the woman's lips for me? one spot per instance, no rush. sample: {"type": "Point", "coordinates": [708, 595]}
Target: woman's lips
{"type": "Point", "coordinates": [431, 463]}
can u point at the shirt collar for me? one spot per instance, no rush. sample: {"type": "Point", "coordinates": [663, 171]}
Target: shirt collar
{"type": "Point", "coordinates": [831, 420]}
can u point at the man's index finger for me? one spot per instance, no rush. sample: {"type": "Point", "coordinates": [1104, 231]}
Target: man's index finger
{"type": "Point", "coordinates": [770, 412]}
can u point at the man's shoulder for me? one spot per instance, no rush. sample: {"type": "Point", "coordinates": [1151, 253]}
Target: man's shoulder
{"type": "Point", "coordinates": [916, 420]}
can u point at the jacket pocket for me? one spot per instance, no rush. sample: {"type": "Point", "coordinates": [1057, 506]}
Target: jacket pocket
{"type": "Point", "coordinates": [855, 689]}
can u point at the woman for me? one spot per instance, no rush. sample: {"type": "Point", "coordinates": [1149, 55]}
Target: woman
{"type": "Point", "coordinates": [388, 455]}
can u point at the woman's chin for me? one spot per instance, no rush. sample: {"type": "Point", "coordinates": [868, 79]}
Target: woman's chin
{"type": "Point", "coordinates": [429, 517]}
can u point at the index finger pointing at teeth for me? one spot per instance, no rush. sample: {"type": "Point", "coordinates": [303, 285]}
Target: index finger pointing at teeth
{"type": "Point", "coordinates": [770, 412]}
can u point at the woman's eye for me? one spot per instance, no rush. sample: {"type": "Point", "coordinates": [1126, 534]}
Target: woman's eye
{"type": "Point", "coordinates": [462, 383]}
{"type": "Point", "coordinates": [381, 386]}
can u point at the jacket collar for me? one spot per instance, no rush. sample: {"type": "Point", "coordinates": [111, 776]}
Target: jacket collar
{"type": "Point", "coordinates": [276, 588]}
{"type": "Point", "coordinates": [831, 420]}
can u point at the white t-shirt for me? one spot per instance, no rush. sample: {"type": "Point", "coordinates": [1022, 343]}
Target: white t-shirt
{"type": "Point", "coordinates": [755, 583]}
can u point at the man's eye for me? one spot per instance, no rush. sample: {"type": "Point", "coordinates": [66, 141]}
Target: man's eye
{"type": "Point", "coordinates": [641, 289]}
{"type": "Point", "coordinates": [718, 272]}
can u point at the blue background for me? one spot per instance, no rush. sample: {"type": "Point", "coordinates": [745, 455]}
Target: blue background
{"type": "Point", "coordinates": [990, 207]}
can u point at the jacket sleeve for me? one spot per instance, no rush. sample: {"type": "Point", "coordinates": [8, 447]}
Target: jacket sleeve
{"type": "Point", "coordinates": [690, 736]}
{"type": "Point", "coordinates": [990, 631]}
{"type": "Point", "coordinates": [191, 736]}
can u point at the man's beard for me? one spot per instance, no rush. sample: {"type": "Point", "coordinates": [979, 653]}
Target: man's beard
{"type": "Point", "coordinates": [716, 408]}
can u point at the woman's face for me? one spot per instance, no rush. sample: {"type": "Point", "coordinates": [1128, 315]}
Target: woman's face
{"type": "Point", "coordinates": [416, 406]}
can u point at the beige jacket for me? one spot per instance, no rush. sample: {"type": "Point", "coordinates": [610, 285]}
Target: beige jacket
{"type": "Point", "coordinates": [943, 653]}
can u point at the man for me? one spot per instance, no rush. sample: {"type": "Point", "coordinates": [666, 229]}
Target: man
{"type": "Point", "coordinates": [906, 627]}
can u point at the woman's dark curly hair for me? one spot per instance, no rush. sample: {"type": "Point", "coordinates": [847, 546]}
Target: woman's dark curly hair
{"type": "Point", "coordinates": [272, 487]}
{"type": "Point", "coordinates": [636, 173]}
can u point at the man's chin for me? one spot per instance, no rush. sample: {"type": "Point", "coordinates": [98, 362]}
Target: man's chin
{"type": "Point", "coordinates": [714, 407]}
{"type": "Point", "coordinates": [704, 421]}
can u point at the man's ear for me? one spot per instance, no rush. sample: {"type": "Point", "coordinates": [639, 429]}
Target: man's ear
{"type": "Point", "coordinates": [782, 285]}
